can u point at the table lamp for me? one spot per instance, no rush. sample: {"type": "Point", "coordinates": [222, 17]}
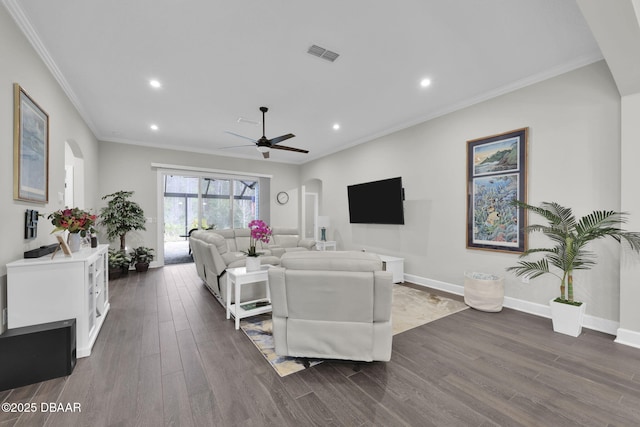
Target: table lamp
{"type": "Point", "coordinates": [323, 223]}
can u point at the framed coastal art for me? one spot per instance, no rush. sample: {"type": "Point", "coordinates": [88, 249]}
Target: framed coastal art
{"type": "Point", "coordinates": [497, 174]}
{"type": "Point", "coordinates": [30, 149]}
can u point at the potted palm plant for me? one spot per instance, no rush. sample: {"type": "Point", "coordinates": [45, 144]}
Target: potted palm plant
{"type": "Point", "coordinates": [141, 257]}
{"type": "Point", "coordinates": [570, 237]}
{"type": "Point", "coordinates": [121, 215]}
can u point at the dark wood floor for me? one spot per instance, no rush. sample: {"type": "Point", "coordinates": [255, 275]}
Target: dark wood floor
{"type": "Point", "coordinates": [167, 356]}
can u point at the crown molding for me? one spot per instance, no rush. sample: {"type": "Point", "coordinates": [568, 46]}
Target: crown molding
{"type": "Point", "coordinates": [21, 19]}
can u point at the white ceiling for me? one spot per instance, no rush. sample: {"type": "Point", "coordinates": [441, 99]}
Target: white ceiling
{"type": "Point", "coordinates": [221, 60]}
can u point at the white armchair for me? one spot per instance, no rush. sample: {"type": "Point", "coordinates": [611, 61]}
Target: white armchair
{"type": "Point", "coordinates": [332, 305]}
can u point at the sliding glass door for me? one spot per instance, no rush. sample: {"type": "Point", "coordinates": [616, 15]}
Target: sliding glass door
{"type": "Point", "coordinates": [191, 202]}
{"type": "Point", "coordinates": [180, 206]}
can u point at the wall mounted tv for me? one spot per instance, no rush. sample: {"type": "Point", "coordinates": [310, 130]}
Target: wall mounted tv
{"type": "Point", "coordinates": [377, 202]}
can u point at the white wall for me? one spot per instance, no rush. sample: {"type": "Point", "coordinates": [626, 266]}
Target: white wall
{"type": "Point", "coordinates": [630, 269]}
{"type": "Point", "coordinates": [574, 159]}
{"type": "Point", "coordinates": [128, 167]}
{"type": "Point", "coordinates": [20, 64]}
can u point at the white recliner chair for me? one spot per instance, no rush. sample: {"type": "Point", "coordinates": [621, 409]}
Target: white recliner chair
{"type": "Point", "coordinates": [332, 305]}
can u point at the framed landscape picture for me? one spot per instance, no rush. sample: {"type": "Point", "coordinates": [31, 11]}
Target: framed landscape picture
{"type": "Point", "coordinates": [496, 175]}
{"type": "Point", "coordinates": [30, 149]}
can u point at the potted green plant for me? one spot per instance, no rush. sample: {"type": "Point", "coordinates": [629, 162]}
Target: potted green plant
{"type": "Point", "coordinates": [570, 237]}
{"type": "Point", "coordinates": [119, 263]}
{"type": "Point", "coordinates": [121, 215]}
{"type": "Point", "coordinates": [141, 257]}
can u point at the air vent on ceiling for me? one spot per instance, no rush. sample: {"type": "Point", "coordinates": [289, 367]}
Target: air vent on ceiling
{"type": "Point", "coordinates": [323, 53]}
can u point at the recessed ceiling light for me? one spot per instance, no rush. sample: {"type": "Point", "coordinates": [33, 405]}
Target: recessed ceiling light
{"type": "Point", "coordinates": [336, 126]}
{"type": "Point", "coordinates": [155, 84]}
{"type": "Point", "coordinates": [425, 82]}
{"type": "Point", "coordinates": [153, 127]}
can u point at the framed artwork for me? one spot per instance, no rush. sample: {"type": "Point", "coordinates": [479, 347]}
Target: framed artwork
{"type": "Point", "coordinates": [30, 149]}
{"type": "Point", "coordinates": [31, 224]}
{"type": "Point", "coordinates": [62, 245]}
{"type": "Point", "coordinates": [497, 174]}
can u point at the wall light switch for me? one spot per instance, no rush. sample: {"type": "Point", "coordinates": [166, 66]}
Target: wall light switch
{"type": "Point", "coordinates": [60, 197]}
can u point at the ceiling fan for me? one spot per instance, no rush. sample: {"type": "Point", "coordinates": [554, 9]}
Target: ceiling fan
{"type": "Point", "coordinates": [264, 145]}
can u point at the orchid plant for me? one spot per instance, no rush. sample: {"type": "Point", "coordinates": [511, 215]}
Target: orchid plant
{"type": "Point", "coordinates": [260, 232]}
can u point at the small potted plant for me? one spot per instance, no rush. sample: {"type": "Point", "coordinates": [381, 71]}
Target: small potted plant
{"type": "Point", "coordinates": [119, 263]}
{"type": "Point", "coordinates": [570, 237]}
{"type": "Point", "coordinates": [141, 257]}
{"type": "Point", "coordinates": [77, 222]}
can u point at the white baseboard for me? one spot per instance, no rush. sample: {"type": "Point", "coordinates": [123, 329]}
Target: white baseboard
{"type": "Point", "coordinates": [435, 284]}
{"type": "Point", "coordinates": [627, 337]}
{"type": "Point", "coordinates": [590, 322]}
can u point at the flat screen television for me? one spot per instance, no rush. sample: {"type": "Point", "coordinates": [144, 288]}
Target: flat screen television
{"type": "Point", "coordinates": [376, 202]}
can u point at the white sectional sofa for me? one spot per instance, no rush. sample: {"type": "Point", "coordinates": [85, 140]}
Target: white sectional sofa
{"type": "Point", "coordinates": [216, 250]}
{"type": "Point", "coordinates": [287, 239]}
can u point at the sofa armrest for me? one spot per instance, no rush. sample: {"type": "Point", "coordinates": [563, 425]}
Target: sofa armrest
{"type": "Point", "coordinates": [218, 263]}
{"type": "Point", "coordinates": [278, 292]}
{"type": "Point", "coordinates": [276, 250]}
{"type": "Point", "coordinates": [383, 296]}
{"type": "Point", "coordinates": [307, 243]}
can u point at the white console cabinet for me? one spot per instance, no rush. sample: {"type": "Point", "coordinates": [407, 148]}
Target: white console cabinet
{"type": "Point", "coordinates": [45, 289]}
{"type": "Point", "coordinates": [395, 265]}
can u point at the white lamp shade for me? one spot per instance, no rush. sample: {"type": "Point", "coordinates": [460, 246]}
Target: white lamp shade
{"type": "Point", "coordinates": [324, 221]}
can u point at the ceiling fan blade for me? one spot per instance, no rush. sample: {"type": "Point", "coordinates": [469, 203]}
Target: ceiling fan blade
{"type": "Point", "coordinates": [265, 154]}
{"type": "Point", "coordinates": [235, 146]}
{"type": "Point", "coordinates": [240, 136]}
{"type": "Point", "coordinates": [283, 147]}
{"type": "Point", "coordinates": [277, 139]}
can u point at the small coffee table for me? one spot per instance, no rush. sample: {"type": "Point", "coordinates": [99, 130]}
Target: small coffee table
{"type": "Point", "coordinates": [240, 276]}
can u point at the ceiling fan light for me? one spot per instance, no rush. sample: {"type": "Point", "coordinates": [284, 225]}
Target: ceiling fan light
{"type": "Point", "coordinates": [263, 149]}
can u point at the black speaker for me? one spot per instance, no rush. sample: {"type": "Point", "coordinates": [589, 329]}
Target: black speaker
{"type": "Point", "coordinates": [32, 354]}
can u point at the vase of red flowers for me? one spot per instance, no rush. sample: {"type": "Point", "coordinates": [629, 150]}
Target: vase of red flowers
{"type": "Point", "coordinates": [260, 232]}
{"type": "Point", "coordinates": [76, 221]}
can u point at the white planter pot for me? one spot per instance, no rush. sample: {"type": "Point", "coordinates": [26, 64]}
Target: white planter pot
{"type": "Point", "coordinates": [75, 241]}
{"type": "Point", "coordinates": [252, 263]}
{"type": "Point", "coordinates": [567, 318]}
{"type": "Point", "coordinates": [484, 292]}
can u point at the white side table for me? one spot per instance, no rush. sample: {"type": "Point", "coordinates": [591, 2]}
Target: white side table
{"type": "Point", "coordinates": [237, 277]}
{"type": "Point", "coordinates": [325, 245]}
{"type": "Point", "coordinates": [395, 266]}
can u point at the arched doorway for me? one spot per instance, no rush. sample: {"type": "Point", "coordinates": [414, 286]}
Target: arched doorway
{"type": "Point", "coordinates": [312, 207]}
{"type": "Point", "coordinates": [74, 175]}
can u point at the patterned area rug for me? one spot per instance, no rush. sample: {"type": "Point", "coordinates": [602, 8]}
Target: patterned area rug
{"type": "Point", "coordinates": [411, 308]}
